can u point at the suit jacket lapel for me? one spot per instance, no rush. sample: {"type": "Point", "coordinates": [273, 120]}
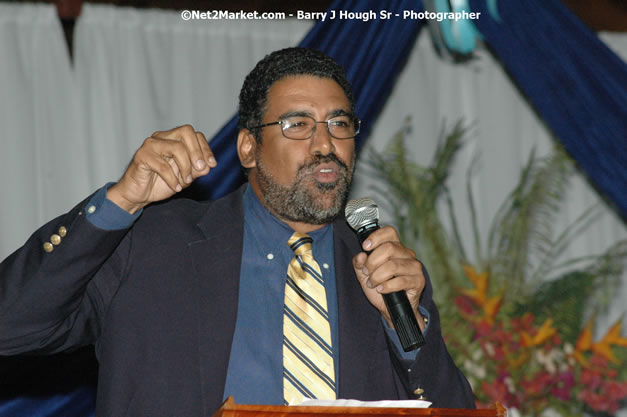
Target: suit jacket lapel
{"type": "Point", "coordinates": [217, 261]}
{"type": "Point", "coordinates": [357, 318]}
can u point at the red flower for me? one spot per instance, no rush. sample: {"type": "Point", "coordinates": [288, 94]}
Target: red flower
{"type": "Point", "coordinates": [484, 329]}
{"type": "Point", "coordinates": [465, 305]}
{"type": "Point", "coordinates": [497, 392]}
{"type": "Point", "coordinates": [598, 361]}
{"type": "Point", "coordinates": [525, 322]}
{"type": "Point", "coordinates": [597, 402]}
{"type": "Point", "coordinates": [590, 378]}
{"type": "Point", "coordinates": [536, 386]}
{"type": "Point", "coordinates": [564, 383]}
{"type": "Point", "coordinates": [615, 390]}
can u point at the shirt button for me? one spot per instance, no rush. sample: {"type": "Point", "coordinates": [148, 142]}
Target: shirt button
{"type": "Point", "coordinates": [91, 209]}
{"type": "Point", "coordinates": [325, 266]}
{"type": "Point", "coordinates": [270, 256]}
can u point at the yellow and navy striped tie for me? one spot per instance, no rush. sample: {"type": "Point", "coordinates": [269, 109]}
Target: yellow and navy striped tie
{"type": "Point", "coordinates": [308, 369]}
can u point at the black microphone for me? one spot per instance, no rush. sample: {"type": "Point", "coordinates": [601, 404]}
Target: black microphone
{"type": "Point", "coordinates": [362, 215]}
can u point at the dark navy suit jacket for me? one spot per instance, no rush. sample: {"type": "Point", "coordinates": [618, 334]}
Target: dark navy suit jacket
{"type": "Point", "coordinates": [159, 302]}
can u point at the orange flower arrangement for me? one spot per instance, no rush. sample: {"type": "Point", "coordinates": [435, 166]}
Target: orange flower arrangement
{"type": "Point", "coordinates": [523, 363]}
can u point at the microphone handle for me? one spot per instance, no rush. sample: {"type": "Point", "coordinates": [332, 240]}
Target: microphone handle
{"type": "Point", "coordinates": [398, 306]}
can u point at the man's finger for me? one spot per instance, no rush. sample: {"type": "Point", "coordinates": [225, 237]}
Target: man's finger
{"type": "Point", "coordinates": [178, 157]}
{"type": "Point", "coordinates": [401, 283]}
{"type": "Point", "coordinates": [386, 252]}
{"type": "Point", "coordinates": [175, 154]}
{"type": "Point", "coordinates": [359, 264]}
{"type": "Point", "coordinates": [393, 268]}
{"type": "Point", "coordinates": [378, 237]}
{"type": "Point", "coordinates": [187, 136]}
{"type": "Point", "coordinates": [164, 170]}
{"type": "Point", "coordinates": [206, 150]}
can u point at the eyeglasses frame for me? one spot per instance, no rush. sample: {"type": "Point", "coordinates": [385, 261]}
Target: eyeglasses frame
{"type": "Point", "coordinates": [280, 122]}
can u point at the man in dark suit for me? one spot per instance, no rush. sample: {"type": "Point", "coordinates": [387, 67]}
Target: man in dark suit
{"type": "Point", "coordinates": [186, 302]}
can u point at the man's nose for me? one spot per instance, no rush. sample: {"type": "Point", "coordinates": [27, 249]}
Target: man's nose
{"type": "Point", "coordinates": [321, 140]}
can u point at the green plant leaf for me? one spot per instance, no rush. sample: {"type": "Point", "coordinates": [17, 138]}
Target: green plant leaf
{"type": "Point", "coordinates": [563, 300]}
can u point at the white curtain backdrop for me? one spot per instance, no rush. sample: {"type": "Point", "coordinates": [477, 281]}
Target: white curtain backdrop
{"type": "Point", "coordinates": [66, 129]}
{"type": "Point", "coordinates": [42, 151]}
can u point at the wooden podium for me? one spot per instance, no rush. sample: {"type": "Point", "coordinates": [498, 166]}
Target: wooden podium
{"type": "Point", "coordinates": [230, 409]}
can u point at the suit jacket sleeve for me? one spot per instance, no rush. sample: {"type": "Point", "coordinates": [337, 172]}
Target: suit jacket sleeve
{"type": "Point", "coordinates": [433, 373]}
{"type": "Point", "coordinates": [48, 302]}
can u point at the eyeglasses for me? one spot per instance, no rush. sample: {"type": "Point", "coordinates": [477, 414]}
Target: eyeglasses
{"type": "Point", "coordinates": [303, 127]}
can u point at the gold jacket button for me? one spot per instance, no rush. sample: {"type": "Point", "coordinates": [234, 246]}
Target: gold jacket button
{"type": "Point", "coordinates": [48, 247]}
{"type": "Point", "coordinates": [62, 231]}
{"type": "Point", "coordinates": [419, 391]}
{"type": "Point", "coordinates": [55, 239]}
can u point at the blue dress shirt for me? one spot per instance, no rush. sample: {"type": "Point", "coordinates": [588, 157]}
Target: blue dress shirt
{"type": "Point", "coordinates": [255, 373]}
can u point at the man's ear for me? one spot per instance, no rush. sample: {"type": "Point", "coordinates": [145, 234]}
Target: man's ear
{"type": "Point", "coordinates": [246, 147]}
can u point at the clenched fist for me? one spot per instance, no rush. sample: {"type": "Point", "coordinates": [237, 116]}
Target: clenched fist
{"type": "Point", "coordinates": [166, 163]}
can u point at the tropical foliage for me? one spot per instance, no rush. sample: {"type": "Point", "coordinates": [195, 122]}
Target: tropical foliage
{"type": "Point", "coordinates": [518, 322]}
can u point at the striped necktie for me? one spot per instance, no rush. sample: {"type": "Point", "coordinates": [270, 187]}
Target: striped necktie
{"type": "Point", "coordinates": [308, 369]}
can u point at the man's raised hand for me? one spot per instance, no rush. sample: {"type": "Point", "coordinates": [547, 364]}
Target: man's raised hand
{"type": "Point", "coordinates": [166, 163]}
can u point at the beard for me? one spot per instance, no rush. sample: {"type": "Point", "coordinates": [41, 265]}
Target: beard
{"type": "Point", "coordinates": [307, 200]}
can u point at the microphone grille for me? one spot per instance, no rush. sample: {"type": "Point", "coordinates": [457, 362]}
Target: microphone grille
{"type": "Point", "coordinates": [360, 212]}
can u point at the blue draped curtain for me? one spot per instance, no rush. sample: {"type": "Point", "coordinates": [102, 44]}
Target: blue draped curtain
{"type": "Point", "coordinates": [76, 403]}
{"type": "Point", "coordinates": [577, 85]}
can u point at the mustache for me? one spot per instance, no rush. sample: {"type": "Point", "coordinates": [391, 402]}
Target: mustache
{"type": "Point", "coordinates": [317, 159]}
